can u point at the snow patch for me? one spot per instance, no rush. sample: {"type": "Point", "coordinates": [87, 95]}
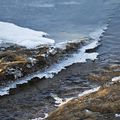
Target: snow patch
{"type": "Point", "coordinates": [89, 91]}
{"type": "Point", "coordinates": [60, 101]}
{"type": "Point", "coordinates": [116, 79]}
{"type": "Point", "coordinates": [117, 115]}
{"type": "Point", "coordinates": [11, 33]}
{"type": "Point", "coordinates": [57, 99]}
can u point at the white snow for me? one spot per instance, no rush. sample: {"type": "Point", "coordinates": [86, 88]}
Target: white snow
{"type": "Point", "coordinates": [89, 91]}
{"type": "Point", "coordinates": [117, 115]}
{"type": "Point", "coordinates": [42, 5]}
{"type": "Point", "coordinates": [60, 101]}
{"type": "Point", "coordinates": [61, 45]}
{"type": "Point", "coordinates": [116, 79]}
{"type": "Point", "coordinates": [57, 99]}
{"type": "Point", "coordinates": [11, 33]}
{"type": "Point", "coordinates": [79, 57]}
{"type": "Point", "coordinates": [31, 60]}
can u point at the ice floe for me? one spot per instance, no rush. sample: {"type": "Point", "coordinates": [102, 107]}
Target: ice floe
{"type": "Point", "coordinates": [11, 33]}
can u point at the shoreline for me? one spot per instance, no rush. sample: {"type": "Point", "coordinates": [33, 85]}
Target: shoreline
{"type": "Point", "coordinates": [56, 55]}
{"type": "Point", "coordinates": [39, 94]}
{"type": "Point", "coordinates": [100, 104]}
{"type": "Point", "coordinates": [30, 99]}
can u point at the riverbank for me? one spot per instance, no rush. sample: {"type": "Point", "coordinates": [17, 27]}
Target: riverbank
{"type": "Point", "coordinates": [33, 100]}
{"type": "Point", "coordinates": [102, 104]}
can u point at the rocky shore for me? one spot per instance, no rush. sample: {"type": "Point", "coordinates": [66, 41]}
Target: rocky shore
{"type": "Point", "coordinates": [31, 100]}
{"type": "Point", "coordinates": [103, 104]}
{"type": "Point", "coordinates": [17, 62]}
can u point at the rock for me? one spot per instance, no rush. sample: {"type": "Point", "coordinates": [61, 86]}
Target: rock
{"type": "Point", "coordinates": [105, 74]}
{"type": "Point", "coordinates": [97, 105]}
{"type": "Point", "coordinates": [15, 73]}
{"type": "Point", "coordinates": [17, 62]}
{"type": "Point", "coordinates": [105, 101]}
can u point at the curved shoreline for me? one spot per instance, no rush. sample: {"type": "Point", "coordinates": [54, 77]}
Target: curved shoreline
{"type": "Point", "coordinates": [71, 47]}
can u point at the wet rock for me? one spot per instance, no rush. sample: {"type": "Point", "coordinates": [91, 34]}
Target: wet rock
{"type": "Point", "coordinates": [105, 74]}
{"type": "Point", "coordinates": [102, 104]}
{"type": "Point", "coordinates": [17, 62]}
{"type": "Point", "coordinates": [15, 73]}
{"type": "Point", "coordinates": [105, 101]}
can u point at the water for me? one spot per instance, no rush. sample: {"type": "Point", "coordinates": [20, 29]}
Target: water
{"type": "Point", "coordinates": [62, 19]}
{"type": "Point", "coordinates": [110, 49]}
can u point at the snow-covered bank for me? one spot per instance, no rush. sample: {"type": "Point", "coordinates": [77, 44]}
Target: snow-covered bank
{"type": "Point", "coordinates": [11, 33]}
{"type": "Point", "coordinates": [78, 57]}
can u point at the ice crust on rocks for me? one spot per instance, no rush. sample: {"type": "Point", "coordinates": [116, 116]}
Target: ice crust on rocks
{"type": "Point", "coordinates": [11, 33]}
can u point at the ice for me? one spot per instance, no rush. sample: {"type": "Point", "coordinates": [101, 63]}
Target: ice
{"type": "Point", "coordinates": [11, 33]}
{"type": "Point", "coordinates": [57, 99]}
{"type": "Point", "coordinates": [98, 32]}
{"type": "Point", "coordinates": [60, 101]}
{"type": "Point", "coordinates": [116, 79]}
{"type": "Point", "coordinates": [89, 91]}
{"type": "Point", "coordinates": [40, 118]}
{"type": "Point", "coordinates": [80, 57]}
{"type": "Point", "coordinates": [117, 115]}
{"type": "Point", "coordinates": [62, 45]}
